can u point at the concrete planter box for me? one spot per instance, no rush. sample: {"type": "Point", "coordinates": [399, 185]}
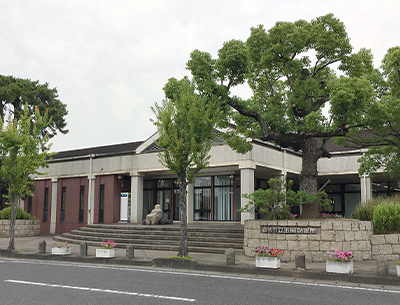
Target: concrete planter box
{"type": "Point", "coordinates": [23, 227]}
{"type": "Point", "coordinates": [61, 250]}
{"type": "Point", "coordinates": [268, 262]}
{"type": "Point", "coordinates": [105, 253]}
{"type": "Point", "coordinates": [339, 267]}
{"type": "Point", "coordinates": [398, 270]}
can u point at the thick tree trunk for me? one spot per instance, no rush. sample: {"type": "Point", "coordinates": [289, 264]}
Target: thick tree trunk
{"type": "Point", "coordinates": [311, 152]}
{"type": "Point", "coordinates": [183, 244]}
{"type": "Point", "coordinates": [11, 244]}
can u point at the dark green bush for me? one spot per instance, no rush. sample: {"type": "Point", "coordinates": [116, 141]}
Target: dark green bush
{"type": "Point", "coordinates": [21, 214]}
{"type": "Point", "coordinates": [387, 218]}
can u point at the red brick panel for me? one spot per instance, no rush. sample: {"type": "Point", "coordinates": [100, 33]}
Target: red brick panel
{"type": "Point", "coordinates": [72, 197]}
{"type": "Point", "coordinates": [38, 204]}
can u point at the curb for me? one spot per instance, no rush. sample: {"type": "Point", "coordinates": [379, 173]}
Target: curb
{"type": "Point", "coordinates": [194, 266]}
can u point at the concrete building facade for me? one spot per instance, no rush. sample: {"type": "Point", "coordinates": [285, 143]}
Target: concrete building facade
{"type": "Point", "coordinates": [86, 186]}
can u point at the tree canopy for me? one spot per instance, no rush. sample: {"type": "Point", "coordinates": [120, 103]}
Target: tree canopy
{"type": "Point", "coordinates": [384, 122]}
{"type": "Point", "coordinates": [22, 152]}
{"type": "Point", "coordinates": [15, 92]}
{"type": "Point", "coordinates": [185, 122]}
{"type": "Point", "coordinates": [294, 70]}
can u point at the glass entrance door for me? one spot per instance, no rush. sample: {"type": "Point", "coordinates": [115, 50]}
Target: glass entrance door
{"type": "Point", "coordinates": [164, 200]}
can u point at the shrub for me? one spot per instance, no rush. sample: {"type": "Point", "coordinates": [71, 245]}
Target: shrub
{"type": "Point", "coordinates": [276, 202]}
{"type": "Point", "coordinates": [21, 214]}
{"type": "Point", "coordinates": [387, 218]}
{"type": "Point", "coordinates": [365, 211]}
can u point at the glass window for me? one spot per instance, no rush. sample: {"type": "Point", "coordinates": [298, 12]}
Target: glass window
{"type": "Point", "coordinates": [177, 210]}
{"type": "Point", "coordinates": [81, 203]}
{"type": "Point", "coordinates": [148, 202]}
{"type": "Point", "coordinates": [337, 202]}
{"type": "Point", "coordinates": [334, 188]}
{"type": "Point", "coordinates": [352, 188]}
{"type": "Point", "coordinates": [164, 183]}
{"type": "Point", "coordinates": [45, 204]}
{"type": "Point", "coordinates": [148, 184]}
{"type": "Point", "coordinates": [352, 200]}
{"type": "Point", "coordinates": [202, 181]}
{"type": "Point", "coordinates": [202, 204]}
{"type": "Point", "coordinates": [82, 198]}
{"type": "Point", "coordinates": [263, 184]}
{"type": "Point", "coordinates": [63, 194]}
{"type": "Point", "coordinates": [101, 197]}
{"type": "Point", "coordinates": [223, 180]}
{"type": "Point", "coordinates": [223, 203]}
{"type": "Point", "coordinates": [101, 204]}
{"type": "Point", "coordinates": [30, 204]}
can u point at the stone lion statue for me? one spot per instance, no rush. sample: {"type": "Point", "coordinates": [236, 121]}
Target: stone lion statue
{"type": "Point", "coordinates": [154, 217]}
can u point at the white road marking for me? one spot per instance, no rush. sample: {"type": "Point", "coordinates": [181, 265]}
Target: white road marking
{"type": "Point", "coordinates": [288, 282]}
{"type": "Point", "coordinates": [147, 295]}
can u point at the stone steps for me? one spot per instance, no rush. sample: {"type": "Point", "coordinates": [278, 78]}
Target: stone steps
{"type": "Point", "coordinates": [169, 237]}
{"type": "Point", "coordinates": [213, 239]}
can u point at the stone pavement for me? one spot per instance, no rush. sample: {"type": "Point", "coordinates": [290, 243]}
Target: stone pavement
{"type": "Point", "coordinates": [364, 271]}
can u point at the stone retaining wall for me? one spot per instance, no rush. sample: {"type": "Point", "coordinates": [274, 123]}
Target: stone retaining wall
{"type": "Point", "coordinates": [312, 238]}
{"type": "Point", "coordinates": [386, 245]}
{"type": "Point", "coordinates": [23, 227]}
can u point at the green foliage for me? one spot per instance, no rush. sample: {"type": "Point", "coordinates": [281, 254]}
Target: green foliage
{"type": "Point", "coordinates": [387, 218]}
{"type": "Point", "coordinates": [384, 121]}
{"type": "Point", "coordinates": [276, 201]}
{"type": "Point", "coordinates": [15, 92]}
{"type": "Point", "coordinates": [365, 211]}
{"type": "Point", "coordinates": [23, 151]}
{"type": "Point", "coordinates": [21, 214]}
{"type": "Point", "coordinates": [292, 70]}
{"type": "Point", "coordinates": [185, 122]}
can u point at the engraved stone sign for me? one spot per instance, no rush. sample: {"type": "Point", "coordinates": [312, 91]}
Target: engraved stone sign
{"type": "Point", "coordinates": [288, 230]}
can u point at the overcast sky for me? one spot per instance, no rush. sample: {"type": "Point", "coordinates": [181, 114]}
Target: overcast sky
{"type": "Point", "coordinates": [110, 59]}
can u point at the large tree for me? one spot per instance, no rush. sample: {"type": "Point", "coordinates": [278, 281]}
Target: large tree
{"type": "Point", "coordinates": [294, 70]}
{"type": "Point", "coordinates": [15, 92]}
{"type": "Point", "coordinates": [383, 138]}
{"type": "Point", "coordinates": [23, 150]}
{"type": "Point", "coordinates": [185, 122]}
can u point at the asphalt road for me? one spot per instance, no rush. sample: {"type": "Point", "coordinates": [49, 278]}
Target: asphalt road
{"type": "Point", "coordinates": [44, 282]}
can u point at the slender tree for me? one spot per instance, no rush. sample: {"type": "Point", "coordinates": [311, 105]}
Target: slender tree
{"type": "Point", "coordinates": [185, 122]}
{"type": "Point", "coordinates": [23, 150]}
{"type": "Point", "coordinates": [294, 71]}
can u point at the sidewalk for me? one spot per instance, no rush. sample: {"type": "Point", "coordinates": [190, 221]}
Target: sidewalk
{"type": "Point", "coordinates": [364, 271]}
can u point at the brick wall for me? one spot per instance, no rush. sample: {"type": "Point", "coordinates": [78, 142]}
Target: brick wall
{"type": "Point", "coordinates": [22, 227]}
{"type": "Point", "coordinates": [330, 235]}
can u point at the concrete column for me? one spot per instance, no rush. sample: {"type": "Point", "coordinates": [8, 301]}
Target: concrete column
{"type": "Point", "coordinates": [92, 190]}
{"type": "Point", "coordinates": [137, 198]}
{"type": "Point", "coordinates": [53, 209]}
{"type": "Point", "coordinates": [190, 203]}
{"type": "Point", "coordinates": [366, 188]}
{"type": "Point", "coordinates": [246, 186]}
{"type": "Point", "coordinates": [21, 203]}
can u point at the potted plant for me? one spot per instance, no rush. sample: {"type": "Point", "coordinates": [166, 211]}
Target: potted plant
{"type": "Point", "coordinates": [107, 250]}
{"type": "Point", "coordinates": [339, 262]}
{"type": "Point", "coordinates": [398, 268]}
{"type": "Point", "coordinates": [60, 248]}
{"type": "Point", "coordinates": [268, 258]}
